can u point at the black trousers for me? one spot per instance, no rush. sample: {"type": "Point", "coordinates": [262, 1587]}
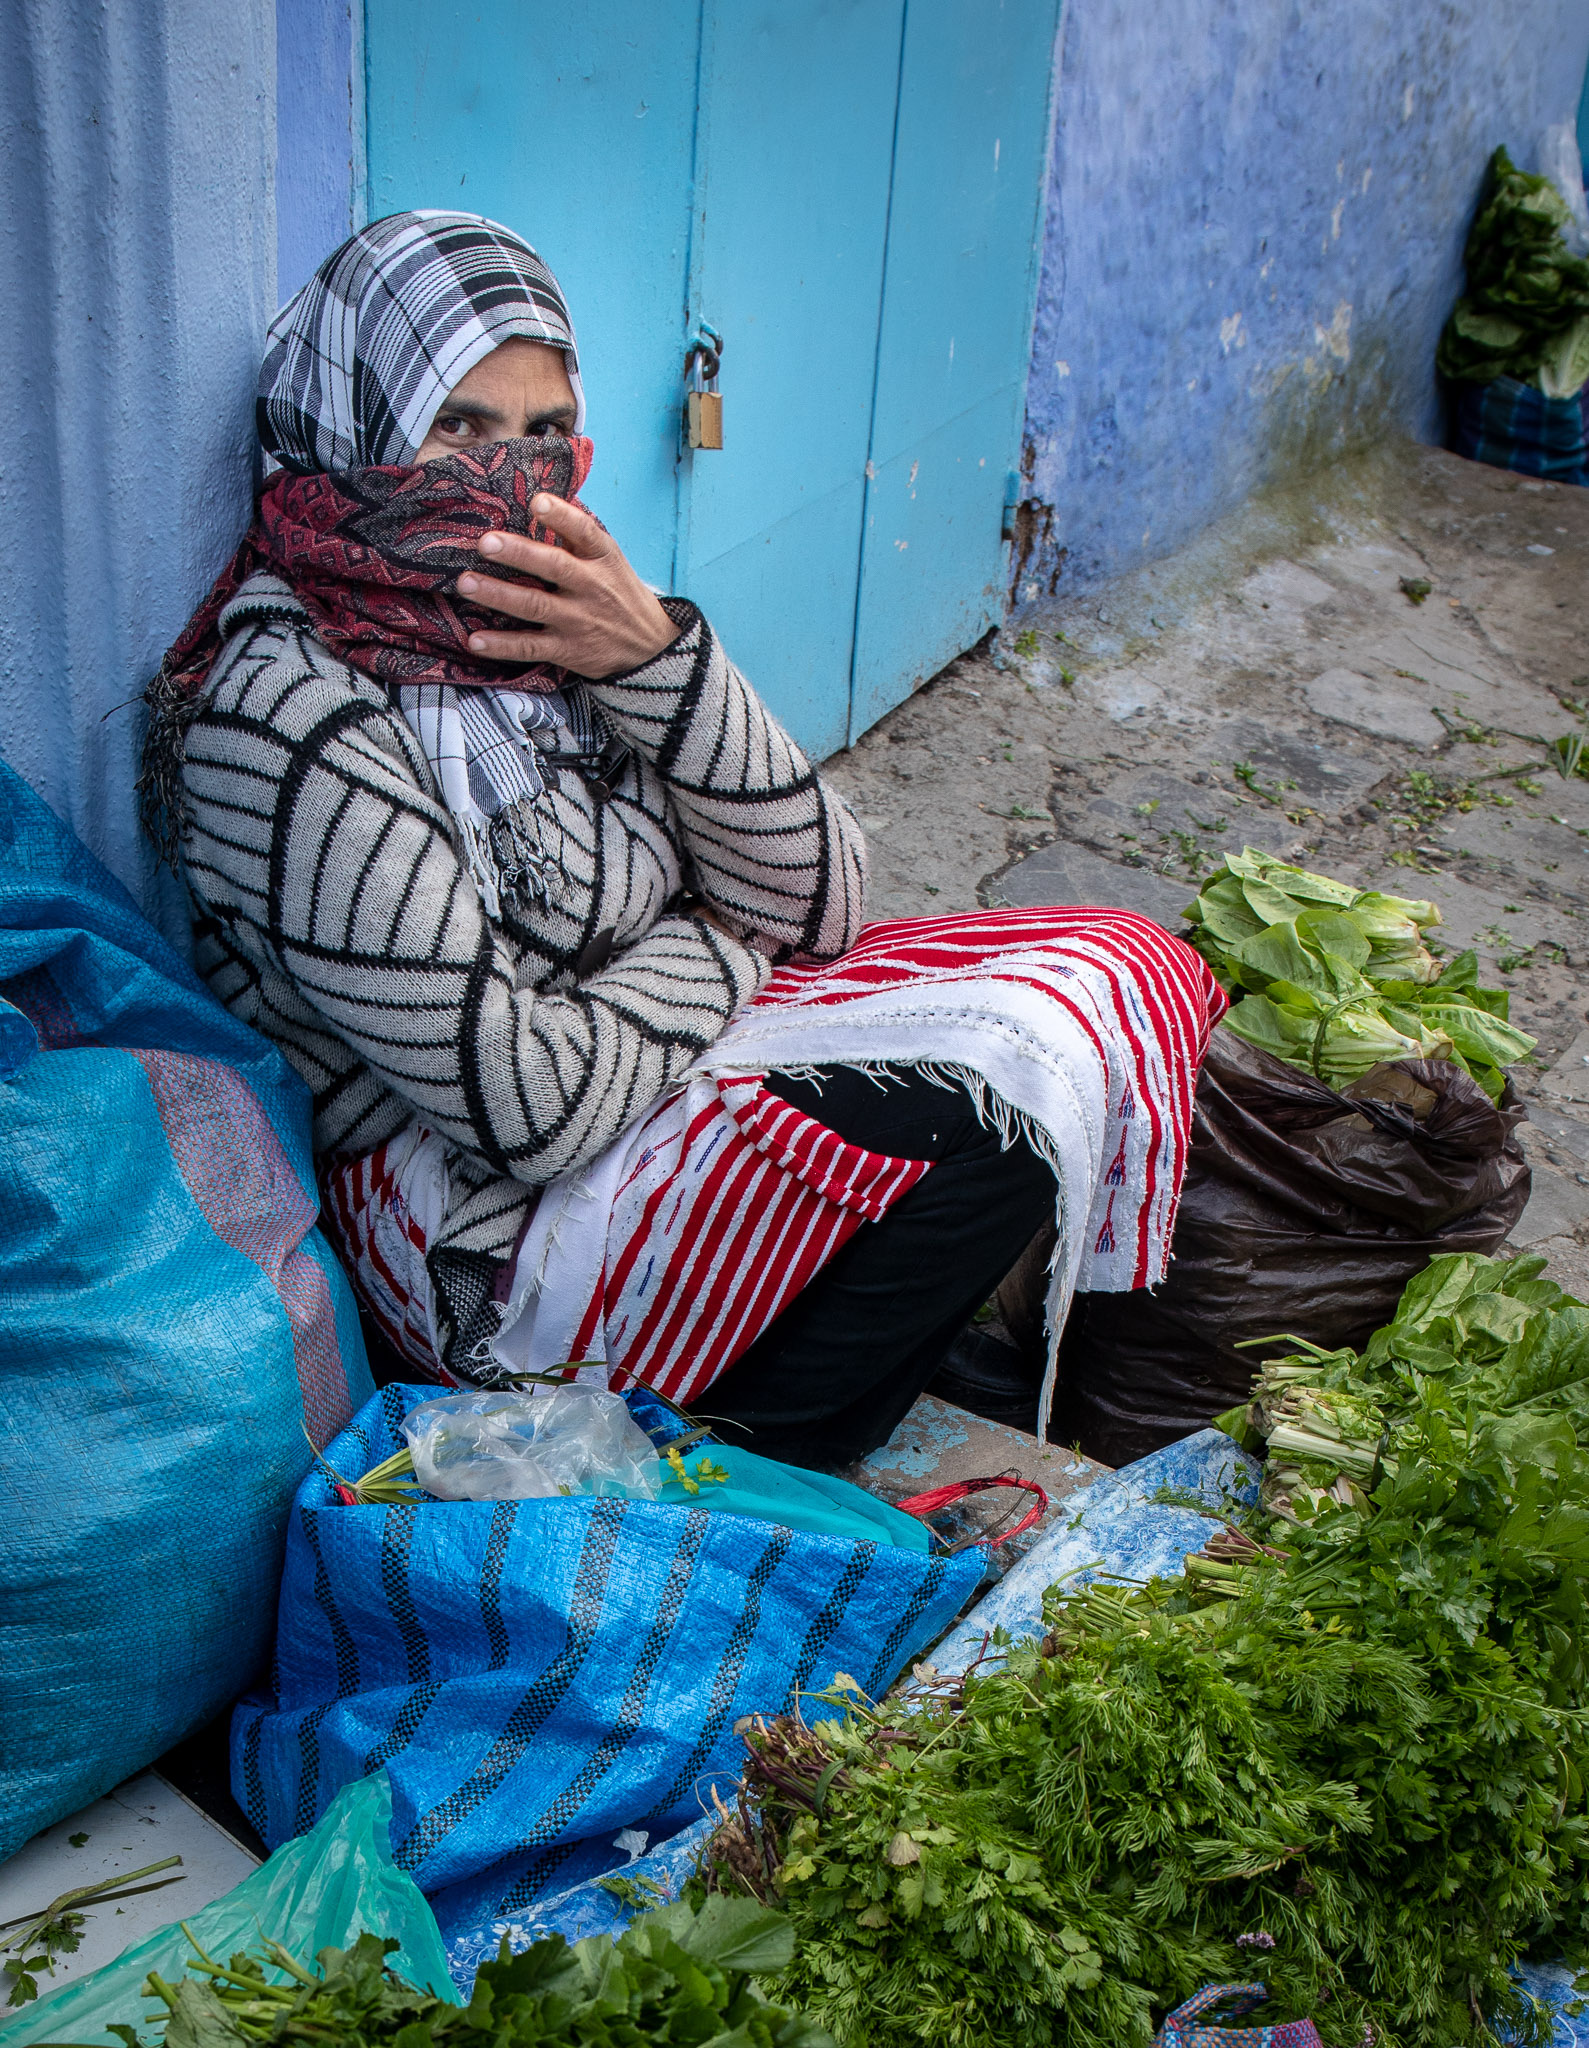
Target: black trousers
{"type": "Point", "coordinates": [837, 1372]}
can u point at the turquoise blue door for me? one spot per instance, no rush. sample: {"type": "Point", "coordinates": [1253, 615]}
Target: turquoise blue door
{"type": "Point", "coordinates": [969, 171]}
{"type": "Point", "coordinates": [575, 124]}
{"type": "Point", "coordinates": [794, 156]}
{"type": "Point", "coordinates": [849, 192]}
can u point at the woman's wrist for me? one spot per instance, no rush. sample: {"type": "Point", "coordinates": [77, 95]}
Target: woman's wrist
{"type": "Point", "coordinates": [682, 618]}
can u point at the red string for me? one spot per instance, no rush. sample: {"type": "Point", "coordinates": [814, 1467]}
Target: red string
{"type": "Point", "coordinates": [924, 1504]}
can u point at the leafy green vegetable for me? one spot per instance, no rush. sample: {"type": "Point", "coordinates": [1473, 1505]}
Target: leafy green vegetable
{"type": "Point", "coordinates": [35, 1942]}
{"type": "Point", "coordinates": [1485, 1343]}
{"type": "Point", "coordinates": [1564, 362]}
{"type": "Point", "coordinates": [1525, 313]}
{"type": "Point", "coordinates": [676, 1975]}
{"type": "Point", "coordinates": [1340, 1045]}
{"type": "Point", "coordinates": [1357, 1739]}
{"type": "Point", "coordinates": [1338, 980]}
{"type": "Point", "coordinates": [1053, 1853]}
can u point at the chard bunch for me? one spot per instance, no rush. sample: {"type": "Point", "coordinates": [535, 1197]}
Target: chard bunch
{"type": "Point", "coordinates": [1525, 312]}
{"type": "Point", "coordinates": [1339, 980]}
{"type": "Point", "coordinates": [1326, 1436]}
{"type": "Point", "coordinates": [1484, 1349]}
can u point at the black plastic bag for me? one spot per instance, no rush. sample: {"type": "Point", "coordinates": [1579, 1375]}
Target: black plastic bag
{"type": "Point", "coordinates": [1304, 1212]}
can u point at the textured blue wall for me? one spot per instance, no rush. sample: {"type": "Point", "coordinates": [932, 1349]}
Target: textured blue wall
{"type": "Point", "coordinates": [137, 260]}
{"type": "Point", "coordinates": [1255, 224]}
{"type": "Point", "coordinates": [319, 133]}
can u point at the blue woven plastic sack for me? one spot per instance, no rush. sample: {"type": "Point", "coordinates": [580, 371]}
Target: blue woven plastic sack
{"type": "Point", "coordinates": [537, 1676]}
{"type": "Point", "coordinates": [1513, 425]}
{"type": "Point", "coordinates": [169, 1324]}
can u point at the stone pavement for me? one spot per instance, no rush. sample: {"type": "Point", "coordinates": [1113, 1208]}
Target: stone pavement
{"type": "Point", "coordinates": [1276, 684]}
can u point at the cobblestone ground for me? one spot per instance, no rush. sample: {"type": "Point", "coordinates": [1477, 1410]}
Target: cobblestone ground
{"type": "Point", "coordinates": [1276, 684]}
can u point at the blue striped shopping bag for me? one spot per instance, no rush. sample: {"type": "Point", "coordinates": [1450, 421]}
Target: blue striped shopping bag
{"type": "Point", "coordinates": [538, 1676]}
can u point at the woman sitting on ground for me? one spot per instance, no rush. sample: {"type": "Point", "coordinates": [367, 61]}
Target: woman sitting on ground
{"type": "Point", "coordinates": [565, 933]}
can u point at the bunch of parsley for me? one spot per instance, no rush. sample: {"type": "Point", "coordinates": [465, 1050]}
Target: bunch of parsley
{"type": "Point", "coordinates": [1350, 1758]}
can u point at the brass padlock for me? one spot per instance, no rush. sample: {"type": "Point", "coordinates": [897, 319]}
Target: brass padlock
{"type": "Point", "coordinates": [703, 404]}
{"type": "Point", "coordinates": [706, 419]}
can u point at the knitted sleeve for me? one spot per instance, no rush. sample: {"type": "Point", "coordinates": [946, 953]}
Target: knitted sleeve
{"type": "Point", "coordinates": [772, 847]}
{"type": "Point", "coordinates": [316, 835]}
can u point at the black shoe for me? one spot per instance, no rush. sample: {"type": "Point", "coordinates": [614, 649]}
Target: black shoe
{"type": "Point", "coordinates": [990, 1378]}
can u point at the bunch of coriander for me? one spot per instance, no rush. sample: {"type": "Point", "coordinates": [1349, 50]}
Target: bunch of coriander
{"type": "Point", "coordinates": [1348, 1752]}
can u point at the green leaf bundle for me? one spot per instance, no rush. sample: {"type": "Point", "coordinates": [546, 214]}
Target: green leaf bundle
{"type": "Point", "coordinates": [1054, 1853]}
{"type": "Point", "coordinates": [1482, 1346]}
{"type": "Point", "coordinates": [1525, 312]}
{"type": "Point", "coordinates": [1338, 981]}
{"type": "Point", "coordinates": [676, 1975]}
{"type": "Point", "coordinates": [1348, 1756]}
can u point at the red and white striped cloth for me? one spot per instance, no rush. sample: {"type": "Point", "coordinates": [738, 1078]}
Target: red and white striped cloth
{"type": "Point", "coordinates": [1080, 1030]}
{"type": "Point", "coordinates": [381, 1212]}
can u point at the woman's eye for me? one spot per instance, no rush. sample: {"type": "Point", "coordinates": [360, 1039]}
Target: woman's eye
{"type": "Point", "coordinates": [538, 427]}
{"type": "Point", "coordinates": [453, 426]}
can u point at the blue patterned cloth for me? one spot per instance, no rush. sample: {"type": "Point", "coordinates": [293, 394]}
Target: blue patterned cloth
{"type": "Point", "coordinates": [1513, 425]}
{"type": "Point", "coordinates": [1198, 2023]}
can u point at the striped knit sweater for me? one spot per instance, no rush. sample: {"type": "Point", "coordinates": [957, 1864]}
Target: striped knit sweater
{"type": "Point", "coordinates": [332, 910]}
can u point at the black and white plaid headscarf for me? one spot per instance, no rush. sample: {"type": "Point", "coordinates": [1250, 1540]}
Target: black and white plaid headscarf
{"type": "Point", "coordinates": [356, 367]}
{"type": "Point", "coordinates": [357, 363]}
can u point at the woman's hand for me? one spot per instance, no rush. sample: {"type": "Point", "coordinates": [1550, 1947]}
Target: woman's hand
{"type": "Point", "coordinates": [598, 619]}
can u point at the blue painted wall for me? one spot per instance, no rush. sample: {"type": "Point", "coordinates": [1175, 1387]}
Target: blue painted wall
{"type": "Point", "coordinates": [319, 133]}
{"type": "Point", "coordinates": [1255, 223]}
{"type": "Point", "coordinates": [137, 259]}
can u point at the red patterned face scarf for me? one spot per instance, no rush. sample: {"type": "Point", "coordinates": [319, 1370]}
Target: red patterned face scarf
{"type": "Point", "coordinates": [374, 556]}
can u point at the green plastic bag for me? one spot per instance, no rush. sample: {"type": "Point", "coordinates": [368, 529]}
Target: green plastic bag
{"type": "Point", "coordinates": [318, 1891]}
{"type": "Point", "coordinates": [768, 1491]}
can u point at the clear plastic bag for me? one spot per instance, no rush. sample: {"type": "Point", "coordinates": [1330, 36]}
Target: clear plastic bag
{"type": "Point", "coordinates": [531, 1446]}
